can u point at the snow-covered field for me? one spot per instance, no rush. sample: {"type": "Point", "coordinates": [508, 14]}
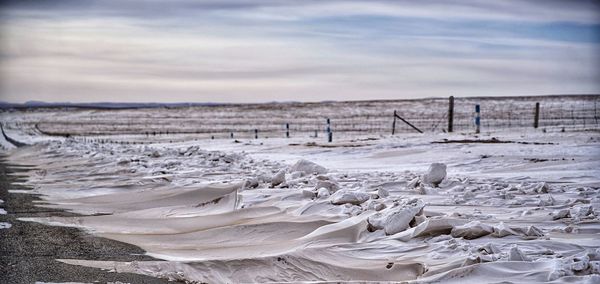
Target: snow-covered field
{"type": "Point", "coordinates": [511, 204]}
{"type": "Point", "coordinates": [348, 119]}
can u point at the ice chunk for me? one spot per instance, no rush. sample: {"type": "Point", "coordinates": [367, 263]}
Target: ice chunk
{"type": "Point", "coordinates": [548, 201]}
{"type": "Point", "coordinates": [251, 183]}
{"type": "Point", "coordinates": [307, 193]}
{"type": "Point", "coordinates": [375, 205]}
{"type": "Point", "coordinates": [352, 210]}
{"type": "Point", "coordinates": [501, 230]}
{"type": "Point", "coordinates": [307, 168]}
{"type": "Point", "coordinates": [580, 212]}
{"type": "Point", "coordinates": [432, 226]}
{"type": "Point", "coordinates": [396, 219]}
{"type": "Point", "coordinates": [560, 214]}
{"type": "Point", "coordinates": [295, 175]}
{"type": "Point", "coordinates": [541, 187]}
{"type": "Point", "coordinates": [346, 196]}
{"type": "Point", "coordinates": [580, 263]}
{"type": "Point", "coordinates": [329, 185]}
{"type": "Point", "coordinates": [323, 193]}
{"type": "Point", "coordinates": [383, 193]}
{"type": "Point", "coordinates": [516, 254]}
{"type": "Point", "coordinates": [413, 183]}
{"type": "Point", "coordinates": [472, 230]}
{"type": "Point", "coordinates": [278, 178]}
{"type": "Point", "coordinates": [435, 174]}
{"type": "Point", "coordinates": [531, 231]}
{"type": "Point", "coordinates": [489, 248]}
{"type": "Point", "coordinates": [123, 162]}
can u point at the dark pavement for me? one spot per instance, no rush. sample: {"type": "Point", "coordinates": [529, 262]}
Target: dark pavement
{"type": "Point", "coordinates": [28, 250]}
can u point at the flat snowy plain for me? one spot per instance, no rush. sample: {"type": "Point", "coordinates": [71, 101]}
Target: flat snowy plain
{"type": "Point", "coordinates": [516, 205]}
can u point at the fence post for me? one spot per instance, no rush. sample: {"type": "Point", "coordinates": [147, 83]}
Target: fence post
{"type": "Point", "coordinates": [255, 133]}
{"type": "Point", "coordinates": [329, 132]}
{"type": "Point", "coordinates": [287, 130]}
{"type": "Point", "coordinates": [477, 118]}
{"type": "Point", "coordinates": [450, 113]}
{"type": "Point", "coordinates": [595, 113]}
{"type": "Point", "coordinates": [536, 118]}
{"type": "Point", "coordinates": [394, 124]}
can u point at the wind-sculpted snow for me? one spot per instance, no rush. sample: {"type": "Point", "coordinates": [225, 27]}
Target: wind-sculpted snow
{"type": "Point", "coordinates": [245, 212]}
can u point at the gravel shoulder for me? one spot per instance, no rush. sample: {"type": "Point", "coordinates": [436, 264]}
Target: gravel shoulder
{"type": "Point", "coordinates": [28, 250]}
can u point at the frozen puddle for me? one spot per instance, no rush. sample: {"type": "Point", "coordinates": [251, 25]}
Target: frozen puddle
{"type": "Point", "coordinates": [226, 216]}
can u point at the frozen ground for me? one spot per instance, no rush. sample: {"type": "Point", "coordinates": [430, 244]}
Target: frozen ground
{"type": "Point", "coordinates": [518, 205]}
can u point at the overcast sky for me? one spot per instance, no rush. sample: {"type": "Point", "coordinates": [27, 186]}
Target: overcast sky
{"type": "Point", "coordinates": [304, 50]}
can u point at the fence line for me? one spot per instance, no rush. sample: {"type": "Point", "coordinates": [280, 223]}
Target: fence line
{"type": "Point", "coordinates": [308, 120]}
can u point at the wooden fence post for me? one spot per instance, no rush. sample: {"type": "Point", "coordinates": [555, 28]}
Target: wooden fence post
{"type": "Point", "coordinates": [394, 124]}
{"type": "Point", "coordinates": [477, 118]}
{"type": "Point", "coordinates": [595, 113]}
{"type": "Point", "coordinates": [450, 113]}
{"type": "Point", "coordinates": [329, 132]}
{"type": "Point", "coordinates": [536, 118]}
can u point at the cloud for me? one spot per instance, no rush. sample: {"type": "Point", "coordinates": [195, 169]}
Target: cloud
{"type": "Point", "coordinates": [510, 10]}
{"type": "Point", "coordinates": [252, 51]}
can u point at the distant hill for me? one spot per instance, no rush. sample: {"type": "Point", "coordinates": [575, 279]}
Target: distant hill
{"type": "Point", "coordinates": [100, 105]}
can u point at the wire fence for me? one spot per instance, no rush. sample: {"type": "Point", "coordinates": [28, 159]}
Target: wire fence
{"type": "Point", "coordinates": [361, 118]}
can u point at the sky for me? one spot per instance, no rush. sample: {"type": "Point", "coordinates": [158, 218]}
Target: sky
{"type": "Point", "coordinates": [306, 50]}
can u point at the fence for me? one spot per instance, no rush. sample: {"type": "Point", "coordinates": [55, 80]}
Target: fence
{"type": "Point", "coordinates": [309, 119]}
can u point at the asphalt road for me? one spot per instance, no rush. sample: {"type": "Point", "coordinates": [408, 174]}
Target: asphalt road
{"type": "Point", "coordinates": [28, 250]}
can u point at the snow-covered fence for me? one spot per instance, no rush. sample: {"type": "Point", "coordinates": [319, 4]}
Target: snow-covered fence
{"type": "Point", "coordinates": [298, 120]}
